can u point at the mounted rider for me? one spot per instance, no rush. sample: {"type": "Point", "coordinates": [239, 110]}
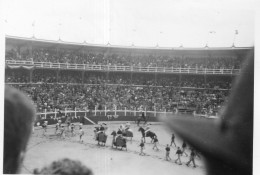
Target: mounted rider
{"type": "Point", "coordinates": [127, 126]}
{"type": "Point", "coordinates": [142, 113]}
{"type": "Point", "coordinates": [147, 128]}
{"type": "Point", "coordinates": [120, 131]}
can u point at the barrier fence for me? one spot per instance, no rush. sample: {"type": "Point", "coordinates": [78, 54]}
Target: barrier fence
{"type": "Point", "coordinates": [93, 116]}
{"type": "Point", "coordinates": [74, 113]}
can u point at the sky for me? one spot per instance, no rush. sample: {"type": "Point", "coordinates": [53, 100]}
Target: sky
{"type": "Point", "coordinates": [166, 23]}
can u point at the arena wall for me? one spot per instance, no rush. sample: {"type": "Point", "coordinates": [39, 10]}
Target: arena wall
{"type": "Point", "coordinates": [96, 117]}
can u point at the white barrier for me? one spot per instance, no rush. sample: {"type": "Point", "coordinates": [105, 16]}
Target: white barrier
{"type": "Point", "coordinates": [116, 112]}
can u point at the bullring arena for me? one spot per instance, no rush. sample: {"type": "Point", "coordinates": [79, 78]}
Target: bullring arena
{"type": "Point", "coordinates": [97, 84]}
{"type": "Point", "coordinates": [106, 160]}
{"type": "Point", "coordinates": [105, 76]}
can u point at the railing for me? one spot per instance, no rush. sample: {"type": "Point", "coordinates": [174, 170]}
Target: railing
{"type": "Point", "coordinates": [107, 84]}
{"type": "Point", "coordinates": [116, 68]}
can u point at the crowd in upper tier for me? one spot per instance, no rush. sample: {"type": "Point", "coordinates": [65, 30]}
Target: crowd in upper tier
{"type": "Point", "coordinates": [141, 79]}
{"type": "Point", "coordinates": [80, 57]}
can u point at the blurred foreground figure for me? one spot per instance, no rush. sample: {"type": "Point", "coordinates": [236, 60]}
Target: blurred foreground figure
{"type": "Point", "coordinates": [65, 167]}
{"type": "Point", "coordinates": [227, 143]}
{"type": "Point", "coordinates": [19, 114]}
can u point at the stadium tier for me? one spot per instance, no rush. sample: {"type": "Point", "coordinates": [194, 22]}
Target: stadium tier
{"type": "Point", "coordinates": [59, 75]}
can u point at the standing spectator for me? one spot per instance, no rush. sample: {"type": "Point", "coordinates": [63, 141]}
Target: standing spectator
{"type": "Point", "coordinates": [19, 113]}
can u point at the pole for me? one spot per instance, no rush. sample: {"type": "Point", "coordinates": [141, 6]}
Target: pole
{"type": "Point", "coordinates": [160, 39]}
{"type": "Point", "coordinates": [208, 36]}
{"type": "Point", "coordinates": [134, 30]}
{"type": "Point", "coordinates": [234, 38]}
{"type": "Point", "coordinates": [33, 25]}
{"type": "Point", "coordinates": [59, 29]}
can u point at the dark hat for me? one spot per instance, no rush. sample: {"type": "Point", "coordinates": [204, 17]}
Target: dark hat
{"type": "Point", "coordinates": [227, 142]}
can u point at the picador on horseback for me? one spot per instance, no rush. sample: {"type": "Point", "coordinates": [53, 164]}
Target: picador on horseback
{"type": "Point", "coordinates": [100, 134]}
{"type": "Point", "coordinates": [146, 132]}
{"type": "Point", "coordinates": [141, 117]}
{"type": "Point", "coordinates": [119, 138]}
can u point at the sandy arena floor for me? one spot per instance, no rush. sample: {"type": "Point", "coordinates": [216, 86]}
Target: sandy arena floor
{"type": "Point", "coordinates": [42, 150]}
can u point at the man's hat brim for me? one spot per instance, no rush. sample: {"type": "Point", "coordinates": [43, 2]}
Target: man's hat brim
{"type": "Point", "coordinates": [203, 134]}
{"type": "Point", "coordinates": [230, 138]}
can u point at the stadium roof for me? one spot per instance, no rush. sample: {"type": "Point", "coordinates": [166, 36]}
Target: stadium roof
{"type": "Point", "coordinates": [21, 41]}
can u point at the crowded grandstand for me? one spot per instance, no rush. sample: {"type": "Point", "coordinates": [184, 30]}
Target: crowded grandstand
{"type": "Point", "coordinates": [60, 75]}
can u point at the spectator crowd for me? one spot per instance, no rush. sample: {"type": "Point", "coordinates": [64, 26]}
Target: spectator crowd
{"type": "Point", "coordinates": [50, 88]}
{"type": "Point", "coordinates": [61, 96]}
{"type": "Point", "coordinates": [138, 79]}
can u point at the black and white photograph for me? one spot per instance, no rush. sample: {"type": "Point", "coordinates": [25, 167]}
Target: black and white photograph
{"type": "Point", "coordinates": [132, 87]}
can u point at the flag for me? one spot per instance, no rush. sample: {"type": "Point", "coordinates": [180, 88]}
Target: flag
{"type": "Point", "coordinates": [236, 32]}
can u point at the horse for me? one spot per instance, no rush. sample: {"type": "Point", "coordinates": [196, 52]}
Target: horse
{"type": "Point", "coordinates": [99, 134]}
{"type": "Point", "coordinates": [148, 134]}
{"type": "Point", "coordinates": [141, 118]}
{"type": "Point", "coordinates": [128, 133]}
{"type": "Point", "coordinates": [101, 137]}
{"type": "Point", "coordinates": [120, 141]}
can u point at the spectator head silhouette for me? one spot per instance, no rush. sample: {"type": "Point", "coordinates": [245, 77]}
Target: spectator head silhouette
{"type": "Point", "coordinates": [19, 114]}
{"type": "Point", "coordinates": [226, 143]}
{"type": "Point", "coordinates": [65, 167]}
